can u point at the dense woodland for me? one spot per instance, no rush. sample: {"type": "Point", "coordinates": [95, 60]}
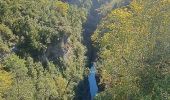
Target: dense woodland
{"type": "Point", "coordinates": [46, 47]}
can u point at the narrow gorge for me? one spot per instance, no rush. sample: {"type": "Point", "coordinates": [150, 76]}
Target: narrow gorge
{"type": "Point", "coordinates": [84, 49]}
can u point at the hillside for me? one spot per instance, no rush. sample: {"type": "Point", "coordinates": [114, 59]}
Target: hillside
{"type": "Point", "coordinates": [48, 49]}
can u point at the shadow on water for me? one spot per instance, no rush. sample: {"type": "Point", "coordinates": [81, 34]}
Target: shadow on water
{"type": "Point", "coordinates": [83, 89]}
{"type": "Point", "coordinates": [87, 88]}
{"type": "Point", "coordinates": [89, 28]}
{"type": "Point", "coordinates": [89, 83]}
{"type": "Point", "coordinates": [82, 92]}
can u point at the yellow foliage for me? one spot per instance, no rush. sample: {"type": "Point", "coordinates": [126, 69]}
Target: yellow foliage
{"type": "Point", "coordinates": [4, 48]}
{"type": "Point", "coordinates": [165, 1]}
{"type": "Point", "coordinates": [121, 13]}
{"type": "Point", "coordinates": [62, 7]}
{"type": "Point", "coordinates": [126, 38]}
{"type": "Point", "coordinates": [105, 54]}
{"type": "Point", "coordinates": [111, 26]}
{"type": "Point", "coordinates": [105, 77]}
{"type": "Point", "coordinates": [61, 84]}
{"type": "Point", "coordinates": [136, 6]}
{"type": "Point", "coordinates": [5, 81]}
{"type": "Point", "coordinates": [94, 37]}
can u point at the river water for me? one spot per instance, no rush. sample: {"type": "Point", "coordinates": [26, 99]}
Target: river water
{"type": "Point", "coordinates": [92, 82]}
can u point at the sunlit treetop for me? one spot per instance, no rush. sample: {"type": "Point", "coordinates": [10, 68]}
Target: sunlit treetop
{"type": "Point", "coordinates": [62, 7]}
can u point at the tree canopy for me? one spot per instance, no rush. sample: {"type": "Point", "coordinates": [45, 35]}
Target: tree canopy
{"type": "Point", "coordinates": [43, 55]}
{"type": "Point", "coordinates": [133, 49]}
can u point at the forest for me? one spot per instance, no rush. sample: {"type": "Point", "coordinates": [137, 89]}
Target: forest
{"type": "Point", "coordinates": [48, 47]}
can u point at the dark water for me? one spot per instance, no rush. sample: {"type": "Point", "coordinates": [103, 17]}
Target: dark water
{"type": "Point", "coordinates": [90, 26]}
{"type": "Point", "coordinates": [92, 82]}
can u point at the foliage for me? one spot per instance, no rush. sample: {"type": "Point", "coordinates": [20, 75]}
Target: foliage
{"type": "Point", "coordinates": [40, 46]}
{"type": "Point", "coordinates": [42, 55]}
{"type": "Point", "coordinates": [5, 81]}
{"type": "Point", "coordinates": [132, 42]}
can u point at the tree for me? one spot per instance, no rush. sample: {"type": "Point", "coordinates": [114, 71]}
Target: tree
{"type": "Point", "coordinates": [5, 81]}
{"type": "Point", "coordinates": [130, 40]}
{"type": "Point", "coordinates": [22, 87]}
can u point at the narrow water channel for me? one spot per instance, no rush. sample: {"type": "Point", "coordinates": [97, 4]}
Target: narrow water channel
{"type": "Point", "coordinates": [92, 81]}
{"type": "Point", "coordinates": [89, 28]}
{"type": "Point", "coordinates": [93, 19]}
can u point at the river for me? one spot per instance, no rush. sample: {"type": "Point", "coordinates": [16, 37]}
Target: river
{"type": "Point", "coordinates": [92, 82]}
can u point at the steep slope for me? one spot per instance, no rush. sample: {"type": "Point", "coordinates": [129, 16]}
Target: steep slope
{"type": "Point", "coordinates": [93, 19]}
{"type": "Point", "coordinates": [40, 46]}
{"type": "Point", "coordinates": [96, 10]}
{"type": "Point", "coordinates": [133, 48]}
